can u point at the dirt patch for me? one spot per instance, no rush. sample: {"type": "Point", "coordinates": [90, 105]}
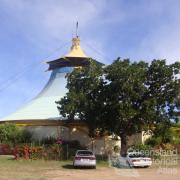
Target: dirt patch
{"type": "Point", "coordinates": [112, 174]}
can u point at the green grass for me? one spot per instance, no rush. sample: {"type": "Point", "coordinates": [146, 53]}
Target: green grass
{"type": "Point", "coordinates": [101, 163]}
{"type": "Point", "coordinates": [33, 170]}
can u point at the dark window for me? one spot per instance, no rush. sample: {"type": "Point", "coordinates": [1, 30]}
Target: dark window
{"type": "Point", "coordinates": [84, 153]}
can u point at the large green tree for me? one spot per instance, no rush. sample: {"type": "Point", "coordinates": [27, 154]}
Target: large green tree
{"type": "Point", "coordinates": [83, 100]}
{"type": "Point", "coordinates": [123, 98]}
{"type": "Point", "coordinates": [123, 92]}
{"type": "Point", "coordinates": [140, 96]}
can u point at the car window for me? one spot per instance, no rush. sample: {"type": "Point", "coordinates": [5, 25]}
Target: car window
{"type": "Point", "coordinates": [136, 155]}
{"type": "Point", "coordinates": [85, 153]}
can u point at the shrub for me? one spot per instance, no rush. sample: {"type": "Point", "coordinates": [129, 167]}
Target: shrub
{"type": "Point", "coordinates": [12, 134]}
{"type": "Point", "coordinates": [5, 149]}
{"type": "Point", "coordinates": [163, 134]}
{"type": "Point", "coordinates": [177, 141]}
{"type": "Point", "coordinates": [153, 141]}
{"type": "Point", "coordinates": [27, 151]}
{"type": "Point", "coordinates": [26, 136]}
{"type": "Point", "coordinates": [9, 133]}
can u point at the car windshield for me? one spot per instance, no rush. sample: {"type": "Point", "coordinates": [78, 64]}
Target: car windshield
{"type": "Point", "coordinates": [85, 153]}
{"type": "Point", "coordinates": [136, 155]}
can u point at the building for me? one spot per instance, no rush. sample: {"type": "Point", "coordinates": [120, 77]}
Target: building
{"type": "Point", "coordinates": [41, 116]}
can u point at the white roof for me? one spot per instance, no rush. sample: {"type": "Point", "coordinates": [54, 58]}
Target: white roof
{"type": "Point", "coordinates": [43, 107]}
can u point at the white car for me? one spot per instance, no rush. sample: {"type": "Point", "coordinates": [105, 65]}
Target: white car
{"type": "Point", "coordinates": [84, 158]}
{"type": "Point", "coordinates": [135, 159]}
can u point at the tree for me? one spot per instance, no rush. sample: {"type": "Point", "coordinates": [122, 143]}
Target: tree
{"type": "Point", "coordinates": [82, 100]}
{"type": "Point", "coordinates": [162, 134]}
{"type": "Point", "coordinates": [124, 98]}
{"type": "Point", "coordinates": [140, 96]}
{"type": "Point", "coordinates": [163, 90]}
{"type": "Point", "coordinates": [124, 92]}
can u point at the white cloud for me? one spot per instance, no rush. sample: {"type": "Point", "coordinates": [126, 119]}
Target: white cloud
{"type": "Point", "coordinates": [162, 41]}
{"type": "Point", "coordinates": [44, 21]}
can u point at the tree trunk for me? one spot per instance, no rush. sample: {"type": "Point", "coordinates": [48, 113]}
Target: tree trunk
{"type": "Point", "coordinates": [124, 145]}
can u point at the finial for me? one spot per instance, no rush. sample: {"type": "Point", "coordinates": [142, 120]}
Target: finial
{"type": "Point", "coordinates": [77, 29]}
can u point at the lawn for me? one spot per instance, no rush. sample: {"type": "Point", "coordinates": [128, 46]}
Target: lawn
{"type": "Point", "coordinates": [32, 170]}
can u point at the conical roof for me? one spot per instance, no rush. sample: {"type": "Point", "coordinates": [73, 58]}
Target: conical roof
{"type": "Point", "coordinates": [76, 50]}
{"type": "Point", "coordinates": [76, 57]}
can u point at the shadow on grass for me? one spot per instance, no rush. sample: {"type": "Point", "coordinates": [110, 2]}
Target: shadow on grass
{"type": "Point", "coordinates": [70, 166]}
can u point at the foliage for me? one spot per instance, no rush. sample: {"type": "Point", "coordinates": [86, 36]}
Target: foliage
{"type": "Point", "coordinates": [12, 134]}
{"type": "Point", "coordinates": [153, 141]}
{"type": "Point", "coordinates": [70, 147]}
{"type": "Point", "coordinates": [5, 149]}
{"type": "Point", "coordinates": [176, 131]}
{"type": "Point", "coordinates": [177, 141]}
{"type": "Point", "coordinates": [9, 133]}
{"type": "Point", "coordinates": [47, 151]}
{"type": "Point", "coordinates": [27, 151]}
{"type": "Point", "coordinates": [162, 134]}
{"type": "Point", "coordinates": [25, 137]}
{"type": "Point", "coordinates": [145, 96]}
{"type": "Point", "coordinates": [123, 98]}
{"type": "Point", "coordinates": [140, 147]}
{"type": "Point", "coordinates": [82, 100]}
{"type": "Point", "coordinates": [176, 125]}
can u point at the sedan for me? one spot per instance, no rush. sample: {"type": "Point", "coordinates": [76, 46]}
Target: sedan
{"type": "Point", "coordinates": [138, 160]}
{"type": "Point", "coordinates": [84, 158]}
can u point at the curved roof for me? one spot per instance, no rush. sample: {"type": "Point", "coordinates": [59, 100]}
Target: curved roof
{"type": "Point", "coordinates": [43, 106]}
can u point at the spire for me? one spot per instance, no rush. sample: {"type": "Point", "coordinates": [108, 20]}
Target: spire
{"type": "Point", "coordinates": [76, 50]}
{"type": "Point", "coordinates": [77, 29]}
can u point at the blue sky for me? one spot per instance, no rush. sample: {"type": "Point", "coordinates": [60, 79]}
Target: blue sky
{"type": "Point", "coordinates": [33, 31]}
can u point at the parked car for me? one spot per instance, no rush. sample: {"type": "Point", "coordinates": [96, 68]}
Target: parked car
{"type": "Point", "coordinates": [135, 159]}
{"type": "Point", "coordinates": [84, 158]}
